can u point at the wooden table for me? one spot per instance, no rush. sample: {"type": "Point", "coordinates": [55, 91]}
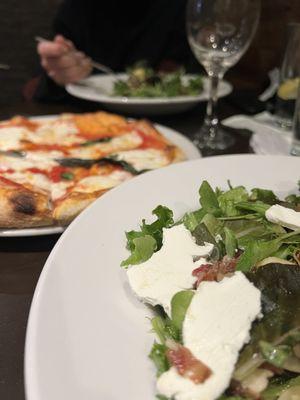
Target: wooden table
{"type": "Point", "coordinates": [22, 259]}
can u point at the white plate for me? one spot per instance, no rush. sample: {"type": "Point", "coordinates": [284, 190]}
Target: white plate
{"type": "Point", "coordinates": [99, 88]}
{"type": "Point", "coordinates": [88, 336]}
{"type": "Point", "coordinates": [189, 149]}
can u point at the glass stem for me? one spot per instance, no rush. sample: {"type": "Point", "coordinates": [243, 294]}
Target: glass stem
{"type": "Point", "coordinates": [211, 118]}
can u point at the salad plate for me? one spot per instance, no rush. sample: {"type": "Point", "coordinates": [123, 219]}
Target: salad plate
{"type": "Point", "coordinates": [88, 336]}
{"type": "Point", "coordinates": [99, 88]}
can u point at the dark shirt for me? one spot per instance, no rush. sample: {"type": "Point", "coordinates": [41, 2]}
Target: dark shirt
{"type": "Point", "coordinates": [120, 32]}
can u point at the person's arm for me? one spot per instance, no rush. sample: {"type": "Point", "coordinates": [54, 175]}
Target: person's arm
{"type": "Point", "coordinates": [61, 60]}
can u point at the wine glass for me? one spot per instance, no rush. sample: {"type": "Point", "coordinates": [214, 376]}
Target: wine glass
{"type": "Point", "coordinates": [219, 33]}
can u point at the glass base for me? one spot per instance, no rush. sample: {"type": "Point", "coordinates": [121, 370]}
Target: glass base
{"type": "Point", "coordinates": [213, 139]}
{"type": "Point", "coordinates": [295, 149]}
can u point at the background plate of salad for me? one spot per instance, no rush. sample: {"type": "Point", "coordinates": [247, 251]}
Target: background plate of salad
{"type": "Point", "coordinates": [88, 336]}
{"type": "Point", "coordinates": [142, 92]}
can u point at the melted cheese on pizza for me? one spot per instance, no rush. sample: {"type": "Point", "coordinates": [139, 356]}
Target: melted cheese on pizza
{"type": "Point", "coordinates": [10, 137]}
{"type": "Point", "coordinates": [144, 159]}
{"type": "Point", "coordinates": [63, 133]}
{"type": "Point", "coordinates": [130, 140]}
{"type": "Point", "coordinates": [101, 182]}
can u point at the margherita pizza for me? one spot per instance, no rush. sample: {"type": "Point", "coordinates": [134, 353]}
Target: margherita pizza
{"type": "Point", "coordinates": [50, 170]}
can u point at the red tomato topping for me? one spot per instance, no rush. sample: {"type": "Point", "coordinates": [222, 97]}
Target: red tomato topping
{"type": "Point", "coordinates": [216, 271]}
{"type": "Point", "coordinates": [8, 182]}
{"type": "Point", "coordinates": [8, 170]}
{"type": "Point", "coordinates": [55, 173]}
{"type": "Point", "coordinates": [150, 141]}
{"type": "Point", "coordinates": [187, 365]}
{"type": "Point", "coordinates": [35, 170]}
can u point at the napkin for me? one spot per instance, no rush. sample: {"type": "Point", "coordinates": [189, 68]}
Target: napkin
{"type": "Point", "coordinates": [267, 138]}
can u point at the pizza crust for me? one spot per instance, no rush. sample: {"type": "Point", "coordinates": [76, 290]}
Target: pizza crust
{"type": "Point", "coordinates": [22, 208]}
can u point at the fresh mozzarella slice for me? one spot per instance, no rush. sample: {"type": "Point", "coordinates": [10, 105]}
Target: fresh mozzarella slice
{"type": "Point", "coordinates": [39, 181]}
{"type": "Point", "coordinates": [10, 138]}
{"type": "Point", "coordinates": [118, 143]}
{"type": "Point", "coordinates": [169, 270]}
{"type": "Point", "coordinates": [41, 160]}
{"type": "Point", "coordinates": [62, 132]}
{"type": "Point", "coordinates": [284, 216]}
{"type": "Point", "coordinates": [59, 189]}
{"type": "Point", "coordinates": [144, 159]}
{"type": "Point", "coordinates": [101, 182]}
{"type": "Point", "coordinates": [216, 326]}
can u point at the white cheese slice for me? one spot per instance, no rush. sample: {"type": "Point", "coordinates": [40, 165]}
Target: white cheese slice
{"type": "Point", "coordinates": [118, 143]}
{"type": "Point", "coordinates": [216, 326]}
{"type": "Point", "coordinates": [62, 132]}
{"type": "Point", "coordinates": [101, 182]}
{"type": "Point", "coordinates": [169, 270]}
{"type": "Point", "coordinates": [10, 138]}
{"type": "Point", "coordinates": [33, 159]}
{"type": "Point", "coordinates": [39, 181]}
{"type": "Point", "coordinates": [283, 216]}
{"type": "Point", "coordinates": [144, 159]}
{"type": "Point", "coordinates": [59, 189]}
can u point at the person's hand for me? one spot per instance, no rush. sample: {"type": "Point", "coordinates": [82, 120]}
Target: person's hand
{"type": "Point", "coordinates": [62, 61]}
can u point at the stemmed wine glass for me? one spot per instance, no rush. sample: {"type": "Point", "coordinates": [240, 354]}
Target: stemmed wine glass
{"type": "Point", "coordinates": [219, 33]}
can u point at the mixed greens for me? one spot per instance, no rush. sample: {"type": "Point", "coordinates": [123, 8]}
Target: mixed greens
{"type": "Point", "coordinates": [143, 81]}
{"type": "Point", "coordinates": [235, 222]}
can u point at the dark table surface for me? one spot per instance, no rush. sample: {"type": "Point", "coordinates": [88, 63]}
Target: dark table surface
{"type": "Point", "coordinates": [22, 259]}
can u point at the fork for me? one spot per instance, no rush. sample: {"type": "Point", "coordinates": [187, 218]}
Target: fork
{"type": "Point", "coordinates": [96, 65]}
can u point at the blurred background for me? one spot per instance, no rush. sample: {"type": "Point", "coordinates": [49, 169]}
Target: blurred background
{"type": "Point", "coordinates": [21, 21]}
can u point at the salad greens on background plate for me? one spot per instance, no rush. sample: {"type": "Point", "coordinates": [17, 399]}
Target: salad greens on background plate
{"type": "Point", "coordinates": [174, 94]}
{"type": "Point", "coordinates": [88, 335]}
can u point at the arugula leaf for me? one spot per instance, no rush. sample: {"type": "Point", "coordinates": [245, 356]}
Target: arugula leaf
{"type": "Point", "coordinates": [280, 290]}
{"type": "Point", "coordinates": [293, 199]}
{"type": "Point", "coordinates": [165, 328]}
{"type": "Point", "coordinates": [142, 249]}
{"type": "Point", "coordinates": [258, 250]}
{"type": "Point", "coordinates": [258, 207]}
{"type": "Point", "coordinates": [164, 220]}
{"type": "Point", "coordinates": [228, 200]}
{"type": "Point", "coordinates": [214, 225]}
{"type": "Point", "coordinates": [230, 242]}
{"type": "Point", "coordinates": [208, 199]}
{"type": "Point", "coordinates": [179, 305]}
{"type": "Point", "coordinates": [192, 219]}
{"type": "Point", "coordinates": [275, 355]}
{"type": "Point", "coordinates": [158, 356]}
{"type": "Point", "coordinates": [264, 195]}
{"type": "Point", "coordinates": [279, 386]}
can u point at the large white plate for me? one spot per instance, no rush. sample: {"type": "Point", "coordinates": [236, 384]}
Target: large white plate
{"type": "Point", "coordinates": [189, 149]}
{"type": "Point", "coordinates": [99, 88]}
{"type": "Point", "coordinates": [87, 336]}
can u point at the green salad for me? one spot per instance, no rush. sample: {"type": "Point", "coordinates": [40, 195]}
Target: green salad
{"type": "Point", "coordinates": [143, 81]}
{"type": "Point", "coordinates": [224, 286]}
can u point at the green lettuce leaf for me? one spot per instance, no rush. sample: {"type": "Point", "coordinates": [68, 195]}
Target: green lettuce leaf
{"type": "Point", "coordinates": [264, 195]}
{"type": "Point", "coordinates": [228, 200]}
{"type": "Point", "coordinates": [142, 249]}
{"type": "Point", "coordinates": [279, 386]}
{"type": "Point", "coordinates": [208, 199]}
{"type": "Point", "coordinates": [158, 356]}
{"type": "Point", "coordinates": [179, 305]}
{"type": "Point", "coordinates": [142, 244]}
{"type": "Point", "coordinates": [280, 288]}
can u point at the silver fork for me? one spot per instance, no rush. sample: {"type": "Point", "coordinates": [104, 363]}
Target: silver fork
{"type": "Point", "coordinates": [96, 65]}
